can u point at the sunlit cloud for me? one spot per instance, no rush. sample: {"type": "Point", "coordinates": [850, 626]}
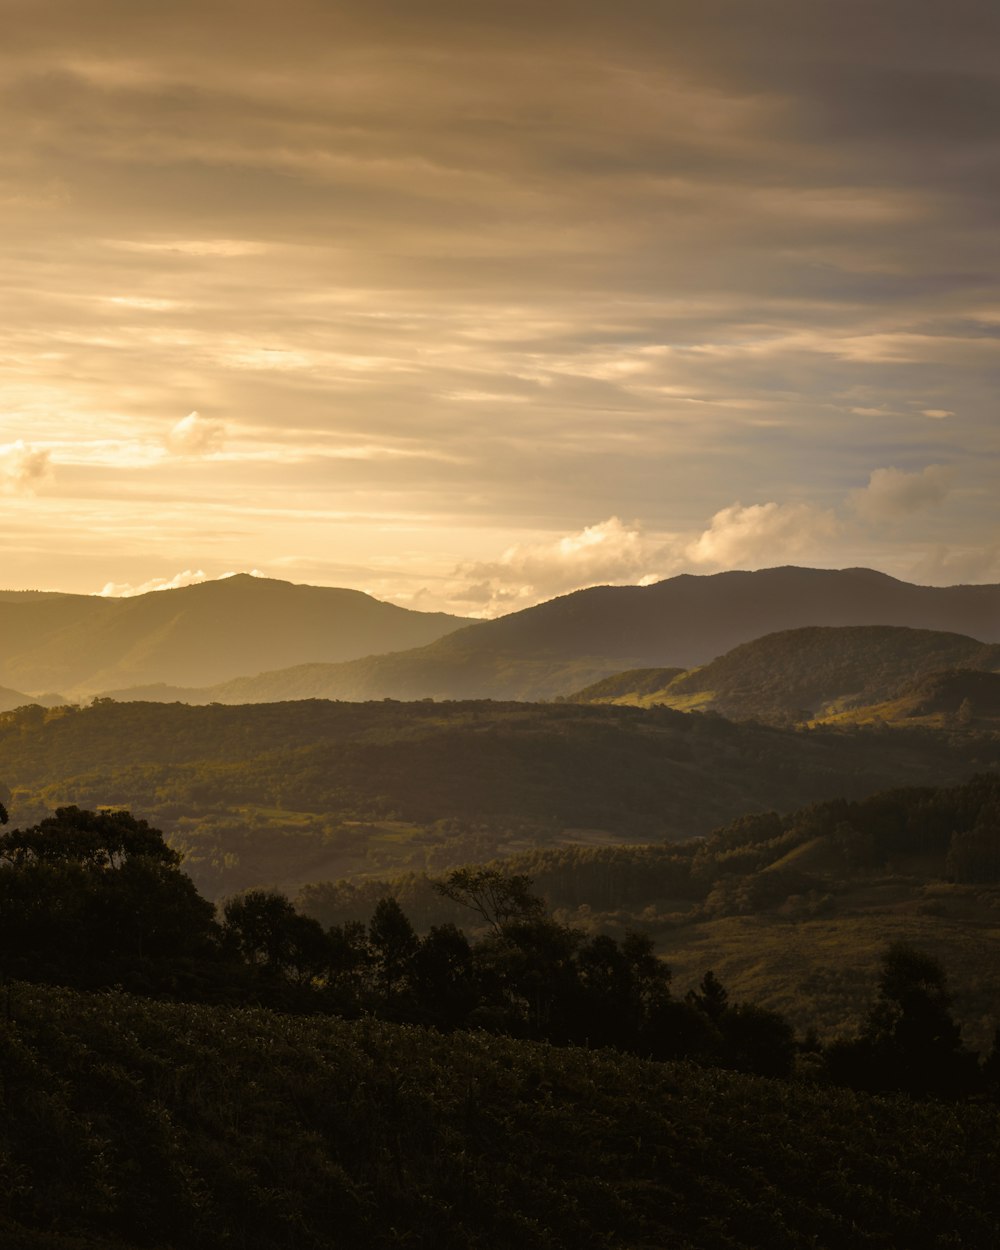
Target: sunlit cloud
{"type": "Point", "coordinates": [23, 468]}
{"type": "Point", "coordinates": [610, 552]}
{"type": "Point", "coordinates": [493, 281]}
{"type": "Point", "coordinates": [195, 435]}
{"type": "Point", "coordinates": [189, 577]}
{"type": "Point", "coordinates": [894, 493]}
{"type": "Point", "coordinates": [767, 533]}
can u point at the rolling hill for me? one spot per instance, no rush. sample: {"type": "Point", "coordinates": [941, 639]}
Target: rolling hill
{"type": "Point", "coordinates": [568, 642]}
{"type": "Point", "coordinates": [815, 673]}
{"type": "Point", "coordinates": [311, 790]}
{"type": "Point", "coordinates": [82, 644]}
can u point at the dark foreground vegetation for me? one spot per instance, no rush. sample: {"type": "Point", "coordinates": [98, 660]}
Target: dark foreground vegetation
{"type": "Point", "coordinates": [127, 1123]}
{"type": "Point", "coordinates": [407, 1092]}
{"type": "Point", "coordinates": [97, 900]}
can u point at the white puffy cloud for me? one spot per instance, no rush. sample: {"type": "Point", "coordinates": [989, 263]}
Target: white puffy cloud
{"type": "Point", "coordinates": [761, 534]}
{"type": "Point", "coordinates": [195, 435]}
{"type": "Point", "coordinates": [189, 577]}
{"type": "Point", "coordinates": [893, 493]}
{"type": "Point", "coordinates": [609, 552]}
{"type": "Point", "coordinates": [23, 467]}
{"type": "Point", "coordinates": [125, 590]}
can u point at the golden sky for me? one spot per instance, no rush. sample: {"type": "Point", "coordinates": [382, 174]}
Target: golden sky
{"type": "Point", "coordinates": [470, 304]}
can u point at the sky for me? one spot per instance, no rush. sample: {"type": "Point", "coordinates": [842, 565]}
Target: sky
{"type": "Point", "coordinates": [469, 304]}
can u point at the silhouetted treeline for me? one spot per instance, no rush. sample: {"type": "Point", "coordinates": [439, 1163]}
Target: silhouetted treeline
{"type": "Point", "coordinates": [97, 899]}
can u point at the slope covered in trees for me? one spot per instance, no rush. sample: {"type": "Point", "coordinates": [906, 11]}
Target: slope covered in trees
{"type": "Point", "coordinates": [792, 911]}
{"type": "Point", "coordinates": [807, 674]}
{"type": "Point", "coordinates": [290, 793]}
{"type": "Point", "coordinates": [568, 642]}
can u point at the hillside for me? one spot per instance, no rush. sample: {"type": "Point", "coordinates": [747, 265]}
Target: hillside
{"type": "Point", "coordinates": [805, 674]}
{"type": "Point", "coordinates": [569, 642]}
{"type": "Point", "coordinates": [199, 634]}
{"type": "Point", "coordinates": [312, 790]}
{"type": "Point", "coordinates": [962, 697]}
{"type": "Point", "coordinates": [131, 1123]}
{"type": "Point", "coordinates": [790, 911]}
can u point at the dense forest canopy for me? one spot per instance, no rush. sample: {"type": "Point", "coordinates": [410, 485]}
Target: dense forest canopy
{"type": "Point", "coordinates": [291, 793]}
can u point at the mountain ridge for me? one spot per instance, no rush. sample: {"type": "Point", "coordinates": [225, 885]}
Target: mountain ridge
{"type": "Point", "coordinates": [197, 634]}
{"type": "Point", "coordinates": [567, 642]}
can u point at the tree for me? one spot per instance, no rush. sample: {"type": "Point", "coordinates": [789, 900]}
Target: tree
{"type": "Point", "coordinates": [711, 997]}
{"type": "Point", "coordinates": [96, 898]}
{"type": "Point", "coordinates": [910, 1042]}
{"type": "Point", "coordinates": [102, 839]}
{"type": "Point", "coordinates": [268, 933]}
{"type": "Point", "coordinates": [393, 943]}
{"type": "Point", "coordinates": [499, 899]}
{"type": "Point", "coordinates": [443, 977]}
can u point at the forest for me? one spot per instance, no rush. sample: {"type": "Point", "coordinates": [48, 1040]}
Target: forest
{"type": "Point", "coordinates": [292, 793]}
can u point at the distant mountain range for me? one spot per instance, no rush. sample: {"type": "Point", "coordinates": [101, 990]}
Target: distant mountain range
{"type": "Point", "coordinates": [565, 644]}
{"type": "Point", "coordinates": [83, 644]}
{"type": "Point", "coordinates": [822, 673]}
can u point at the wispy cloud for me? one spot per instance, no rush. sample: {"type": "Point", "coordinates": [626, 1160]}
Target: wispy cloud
{"type": "Point", "coordinates": [497, 278]}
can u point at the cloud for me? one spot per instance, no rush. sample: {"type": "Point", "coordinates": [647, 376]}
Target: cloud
{"type": "Point", "coordinates": [945, 566]}
{"type": "Point", "coordinates": [894, 493]}
{"type": "Point", "coordinates": [189, 577]}
{"type": "Point", "coordinates": [125, 590]}
{"type": "Point", "coordinates": [195, 435]}
{"type": "Point", "coordinates": [763, 533]}
{"type": "Point", "coordinates": [23, 467]}
{"type": "Point", "coordinates": [610, 552]}
{"type": "Point", "coordinates": [938, 414]}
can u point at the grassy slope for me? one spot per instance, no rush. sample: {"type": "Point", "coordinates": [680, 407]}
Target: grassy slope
{"type": "Point", "coordinates": [130, 1124]}
{"type": "Point", "coordinates": [820, 970]}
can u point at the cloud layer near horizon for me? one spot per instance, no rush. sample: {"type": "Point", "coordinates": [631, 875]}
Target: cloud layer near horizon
{"type": "Point", "coordinates": [441, 287]}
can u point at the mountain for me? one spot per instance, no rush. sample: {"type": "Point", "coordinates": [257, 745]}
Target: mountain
{"type": "Point", "coordinates": [198, 634]}
{"type": "Point", "coordinates": [10, 699]}
{"type": "Point", "coordinates": [566, 643]}
{"type": "Point", "coordinates": [806, 674]}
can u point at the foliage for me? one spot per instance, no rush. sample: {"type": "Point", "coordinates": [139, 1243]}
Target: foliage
{"type": "Point", "coordinates": [129, 1124]}
{"type": "Point", "coordinates": [910, 1042]}
{"type": "Point", "coordinates": [287, 794]}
